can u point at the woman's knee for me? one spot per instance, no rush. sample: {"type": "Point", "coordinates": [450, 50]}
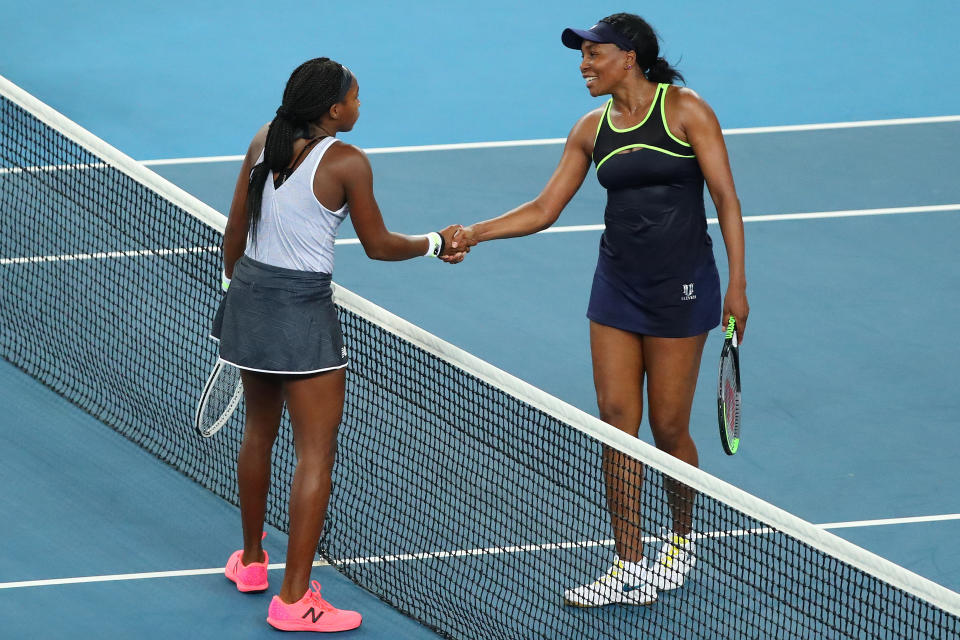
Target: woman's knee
{"type": "Point", "coordinates": [259, 439]}
{"type": "Point", "coordinates": [623, 413]}
{"type": "Point", "coordinates": [320, 453]}
{"type": "Point", "coordinates": [670, 434]}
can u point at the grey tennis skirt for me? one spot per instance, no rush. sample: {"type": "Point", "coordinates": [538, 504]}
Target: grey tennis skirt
{"type": "Point", "coordinates": [278, 320]}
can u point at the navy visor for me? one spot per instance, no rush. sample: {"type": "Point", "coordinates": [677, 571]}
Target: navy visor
{"type": "Point", "coordinates": [600, 33]}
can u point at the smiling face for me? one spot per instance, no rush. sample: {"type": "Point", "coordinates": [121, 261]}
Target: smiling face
{"type": "Point", "coordinates": [604, 66]}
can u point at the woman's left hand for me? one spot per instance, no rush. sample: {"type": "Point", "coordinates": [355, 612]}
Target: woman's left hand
{"type": "Point", "coordinates": [735, 304]}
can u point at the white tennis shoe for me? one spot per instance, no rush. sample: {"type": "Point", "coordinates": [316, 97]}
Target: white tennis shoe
{"type": "Point", "coordinates": [616, 586]}
{"type": "Point", "coordinates": [673, 563]}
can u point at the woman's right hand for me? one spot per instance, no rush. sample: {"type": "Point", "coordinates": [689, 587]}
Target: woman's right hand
{"type": "Point", "coordinates": [465, 237]}
{"type": "Point", "coordinates": [455, 245]}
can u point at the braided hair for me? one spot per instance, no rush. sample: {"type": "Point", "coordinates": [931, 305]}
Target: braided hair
{"type": "Point", "coordinates": [646, 44]}
{"type": "Point", "coordinates": [313, 87]}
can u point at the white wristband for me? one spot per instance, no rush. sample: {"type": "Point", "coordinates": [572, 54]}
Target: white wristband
{"type": "Point", "coordinates": [434, 244]}
{"type": "Point", "coordinates": [224, 281]}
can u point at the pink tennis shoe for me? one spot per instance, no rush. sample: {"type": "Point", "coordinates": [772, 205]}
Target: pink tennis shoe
{"type": "Point", "coordinates": [249, 577]}
{"type": "Point", "coordinates": [311, 613]}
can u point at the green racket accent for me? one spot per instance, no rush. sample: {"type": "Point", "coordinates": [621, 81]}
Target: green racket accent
{"type": "Point", "coordinates": [728, 391]}
{"type": "Point", "coordinates": [731, 327]}
{"type": "Point", "coordinates": [732, 443]}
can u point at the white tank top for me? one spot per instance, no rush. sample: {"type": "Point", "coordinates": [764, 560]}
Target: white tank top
{"type": "Point", "coordinates": [295, 230]}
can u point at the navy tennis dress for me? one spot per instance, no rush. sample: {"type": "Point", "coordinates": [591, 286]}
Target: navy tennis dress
{"type": "Point", "coordinates": [655, 274]}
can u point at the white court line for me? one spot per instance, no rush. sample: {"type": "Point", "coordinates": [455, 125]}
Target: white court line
{"type": "Point", "coordinates": [439, 555]}
{"type": "Point", "coordinates": [129, 576]}
{"type": "Point", "coordinates": [109, 254]}
{"type": "Point", "coordinates": [566, 229]}
{"type": "Point", "coordinates": [850, 213]}
{"type": "Point", "coordinates": [548, 141]}
{"type": "Point", "coordinates": [841, 125]}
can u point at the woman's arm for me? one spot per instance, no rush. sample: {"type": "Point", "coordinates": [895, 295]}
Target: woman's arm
{"type": "Point", "coordinates": [543, 211]}
{"type": "Point", "coordinates": [698, 123]}
{"type": "Point", "coordinates": [350, 166]}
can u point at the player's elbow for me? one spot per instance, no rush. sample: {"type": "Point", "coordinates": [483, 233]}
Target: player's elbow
{"type": "Point", "coordinates": [234, 234]}
{"type": "Point", "coordinates": [374, 252]}
{"type": "Point", "coordinates": [231, 229]}
{"type": "Point", "coordinates": [547, 214]}
{"type": "Point", "coordinates": [379, 255]}
{"type": "Point", "coordinates": [378, 248]}
{"type": "Point", "coordinates": [726, 201]}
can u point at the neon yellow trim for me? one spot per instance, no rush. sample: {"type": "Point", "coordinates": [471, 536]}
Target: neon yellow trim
{"type": "Point", "coordinates": [663, 116]}
{"type": "Point", "coordinates": [606, 110]}
{"type": "Point", "coordinates": [644, 146]}
{"type": "Point", "coordinates": [645, 118]}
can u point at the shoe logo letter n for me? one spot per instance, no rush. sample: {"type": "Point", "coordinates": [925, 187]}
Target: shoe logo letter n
{"type": "Point", "coordinates": [313, 614]}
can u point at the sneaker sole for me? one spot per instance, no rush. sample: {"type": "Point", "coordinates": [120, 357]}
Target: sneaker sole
{"type": "Point", "coordinates": [296, 625]}
{"type": "Point", "coordinates": [636, 603]}
{"type": "Point", "coordinates": [248, 588]}
{"type": "Point", "coordinates": [666, 584]}
{"type": "Point", "coordinates": [662, 584]}
{"type": "Point", "coordinates": [243, 587]}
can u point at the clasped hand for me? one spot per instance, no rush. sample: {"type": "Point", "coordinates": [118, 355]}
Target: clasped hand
{"type": "Point", "coordinates": [457, 241]}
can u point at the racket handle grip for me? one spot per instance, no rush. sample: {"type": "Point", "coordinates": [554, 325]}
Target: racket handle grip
{"type": "Point", "coordinates": [732, 330]}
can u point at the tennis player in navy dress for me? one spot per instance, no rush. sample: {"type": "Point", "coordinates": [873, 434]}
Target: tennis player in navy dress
{"type": "Point", "coordinates": [656, 274]}
{"type": "Point", "coordinates": [656, 291]}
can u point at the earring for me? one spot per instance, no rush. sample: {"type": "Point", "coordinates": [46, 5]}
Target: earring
{"type": "Point", "coordinates": [629, 67]}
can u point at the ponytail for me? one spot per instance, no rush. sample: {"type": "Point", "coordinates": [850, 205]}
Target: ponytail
{"type": "Point", "coordinates": [277, 153]}
{"type": "Point", "coordinates": [661, 71]}
{"type": "Point", "coordinates": [312, 89]}
{"type": "Point", "coordinates": [646, 44]}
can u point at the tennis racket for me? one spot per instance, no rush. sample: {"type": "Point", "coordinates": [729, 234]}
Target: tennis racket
{"type": "Point", "coordinates": [728, 391]}
{"type": "Point", "coordinates": [221, 396]}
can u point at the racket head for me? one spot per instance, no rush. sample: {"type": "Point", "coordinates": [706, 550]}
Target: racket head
{"type": "Point", "coordinates": [220, 398]}
{"type": "Point", "coordinates": [728, 392]}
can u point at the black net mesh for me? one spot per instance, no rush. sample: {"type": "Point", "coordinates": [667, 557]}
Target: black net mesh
{"type": "Point", "coordinates": [454, 501]}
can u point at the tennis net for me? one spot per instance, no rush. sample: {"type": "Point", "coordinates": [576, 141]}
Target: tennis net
{"type": "Point", "coordinates": [462, 496]}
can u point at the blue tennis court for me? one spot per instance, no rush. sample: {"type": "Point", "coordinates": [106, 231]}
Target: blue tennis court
{"type": "Point", "coordinates": [842, 126]}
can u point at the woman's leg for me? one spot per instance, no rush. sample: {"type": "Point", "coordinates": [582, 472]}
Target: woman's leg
{"type": "Point", "coordinates": [618, 369]}
{"type": "Point", "coordinates": [264, 404]}
{"type": "Point", "coordinates": [316, 407]}
{"type": "Point", "coordinates": [672, 366]}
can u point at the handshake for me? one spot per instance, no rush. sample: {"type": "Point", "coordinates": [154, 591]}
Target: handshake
{"type": "Point", "coordinates": [457, 241]}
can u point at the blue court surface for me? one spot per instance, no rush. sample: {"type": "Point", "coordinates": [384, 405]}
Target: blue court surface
{"type": "Point", "coordinates": [842, 125]}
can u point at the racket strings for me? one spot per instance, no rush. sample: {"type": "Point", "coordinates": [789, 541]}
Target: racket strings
{"type": "Point", "coordinates": [221, 396]}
